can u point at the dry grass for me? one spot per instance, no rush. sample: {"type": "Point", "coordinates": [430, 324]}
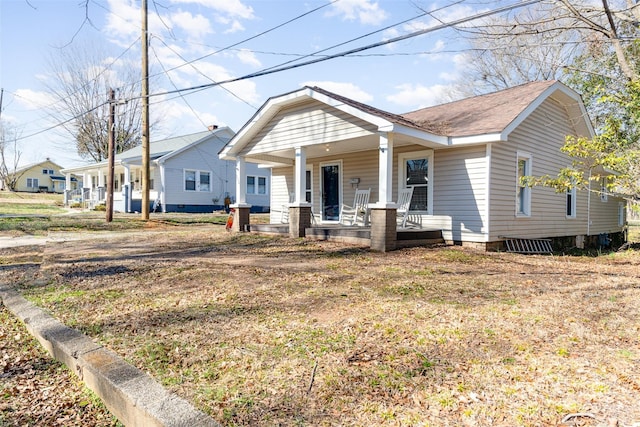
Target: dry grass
{"type": "Point", "coordinates": [270, 331]}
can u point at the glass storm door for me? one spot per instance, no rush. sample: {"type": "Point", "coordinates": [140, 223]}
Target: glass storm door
{"type": "Point", "coordinates": [330, 176]}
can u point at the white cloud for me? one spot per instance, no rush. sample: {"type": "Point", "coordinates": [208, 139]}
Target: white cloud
{"type": "Point", "coordinates": [364, 11]}
{"type": "Point", "coordinates": [345, 89]}
{"type": "Point", "coordinates": [248, 57]}
{"type": "Point", "coordinates": [196, 26]}
{"type": "Point", "coordinates": [33, 99]}
{"type": "Point", "coordinates": [234, 28]}
{"type": "Point", "coordinates": [234, 8]}
{"type": "Point", "coordinates": [414, 96]}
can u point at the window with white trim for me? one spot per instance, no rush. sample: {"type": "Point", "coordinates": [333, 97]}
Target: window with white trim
{"type": "Point", "coordinates": [621, 214]}
{"type": "Point", "coordinates": [257, 185]}
{"type": "Point", "coordinates": [415, 170]}
{"type": "Point", "coordinates": [308, 187]}
{"type": "Point", "coordinates": [571, 202]}
{"type": "Point", "coordinates": [523, 191]}
{"type": "Point", "coordinates": [604, 192]}
{"type": "Point", "coordinates": [32, 182]}
{"type": "Point", "coordinates": [195, 180]}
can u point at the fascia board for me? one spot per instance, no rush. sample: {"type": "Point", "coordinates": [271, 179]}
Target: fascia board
{"type": "Point", "coordinates": [478, 139]}
{"type": "Point", "coordinates": [414, 133]}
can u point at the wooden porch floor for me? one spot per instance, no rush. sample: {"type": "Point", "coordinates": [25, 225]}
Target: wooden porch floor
{"type": "Point", "coordinates": [355, 235]}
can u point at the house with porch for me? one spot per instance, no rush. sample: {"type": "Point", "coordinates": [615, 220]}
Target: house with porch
{"type": "Point", "coordinates": [44, 176]}
{"type": "Point", "coordinates": [464, 161]}
{"type": "Point", "coordinates": [186, 175]}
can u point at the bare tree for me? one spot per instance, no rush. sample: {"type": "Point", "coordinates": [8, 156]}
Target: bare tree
{"type": "Point", "coordinates": [508, 51]}
{"type": "Point", "coordinates": [542, 42]}
{"type": "Point", "coordinates": [9, 158]}
{"type": "Point", "coordinates": [79, 82]}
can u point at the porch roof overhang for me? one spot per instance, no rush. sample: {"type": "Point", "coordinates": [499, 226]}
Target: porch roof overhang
{"type": "Point", "coordinates": [404, 132]}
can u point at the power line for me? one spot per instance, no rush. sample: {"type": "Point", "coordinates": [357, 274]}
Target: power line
{"type": "Point", "coordinates": [280, 68]}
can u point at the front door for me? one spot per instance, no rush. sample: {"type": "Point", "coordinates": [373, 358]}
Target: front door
{"type": "Point", "coordinates": [330, 178]}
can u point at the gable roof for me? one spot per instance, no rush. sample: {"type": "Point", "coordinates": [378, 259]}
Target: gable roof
{"type": "Point", "coordinates": [479, 119]}
{"type": "Point", "coordinates": [33, 165]}
{"type": "Point", "coordinates": [480, 115]}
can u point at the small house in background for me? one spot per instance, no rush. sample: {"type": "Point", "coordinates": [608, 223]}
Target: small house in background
{"type": "Point", "coordinates": [186, 175]}
{"type": "Point", "coordinates": [464, 161]}
{"type": "Point", "coordinates": [44, 177]}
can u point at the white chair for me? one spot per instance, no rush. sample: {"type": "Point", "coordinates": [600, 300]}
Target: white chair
{"type": "Point", "coordinates": [357, 213]}
{"type": "Point", "coordinates": [404, 201]}
{"type": "Point", "coordinates": [284, 215]}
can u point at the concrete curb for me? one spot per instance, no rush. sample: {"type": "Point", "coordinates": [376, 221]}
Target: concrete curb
{"type": "Point", "coordinates": [131, 395]}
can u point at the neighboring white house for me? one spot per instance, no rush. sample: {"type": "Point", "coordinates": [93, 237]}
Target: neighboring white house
{"type": "Point", "coordinates": [186, 176]}
{"type": "Point", "coordinates": [464, 160]}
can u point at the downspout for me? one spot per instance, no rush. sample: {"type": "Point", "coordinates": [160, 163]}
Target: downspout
{"type": "Point", "coordinates": [589, 206]}
{"type": "Point", "coordinates": [488, 194]}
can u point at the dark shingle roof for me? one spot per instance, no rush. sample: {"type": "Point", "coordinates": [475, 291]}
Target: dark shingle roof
{"type": "Point", "coordinates": [479, 115]}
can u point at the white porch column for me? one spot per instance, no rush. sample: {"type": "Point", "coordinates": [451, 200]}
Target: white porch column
{"type": "Point", "coordinates": [162, 187]}
{"type": "Point", "coordinates": [241, 181]}
{"type": "Point", "coordinates": [300, 173]}
{"type": "Point", "coordinates": [86, 180]}
{"type": "Point", "coordinates": [127, 174]}
{"type": "Point", "coordinates": [100, 178]}
{"type": "Point", "coordinates": [67, 181]}
{"type": "Point", "coordinates": [126, 187]}
{"type": "Point", "coordinates": [385, 170]}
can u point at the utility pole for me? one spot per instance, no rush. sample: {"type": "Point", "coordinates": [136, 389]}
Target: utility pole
{"type": "Point", "coordinates": [112, 144]}
{"type": "Point", "coordinates": [145, 115]}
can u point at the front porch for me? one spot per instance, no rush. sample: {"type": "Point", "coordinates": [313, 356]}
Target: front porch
{"type": "Point", "coordinates": [405, 237]}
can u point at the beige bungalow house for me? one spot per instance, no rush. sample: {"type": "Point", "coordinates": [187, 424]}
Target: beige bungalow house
{"type": "Point", "coordinates": [44, 176]}
{"type": "Point", "coordinates": [464, 160]}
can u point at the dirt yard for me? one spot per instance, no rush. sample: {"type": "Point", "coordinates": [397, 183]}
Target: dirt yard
{"type": "Point", "coordinates": [267, 331]}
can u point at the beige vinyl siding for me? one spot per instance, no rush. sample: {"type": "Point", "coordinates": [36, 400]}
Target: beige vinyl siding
{"type": "Point", "coordinates": [604, 215]}
{"type": "Point", "coordinates": [35, 172]}
{"type": "Point", "coordinates": [459, 193]}
{"type": "Point", "coordinates": [307, 124]}
{"type": "Point", "coordinates": [282, 183]}
{"type": "Point", "coordinates": [541, 135]}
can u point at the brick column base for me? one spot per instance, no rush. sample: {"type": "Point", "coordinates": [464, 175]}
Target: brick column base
{"type": "Point", "coordinates": [383, 229]}
{"type": "Point", "coordinates": [299, 220]}
{"type": "Point", "coordinates": [240, 219]}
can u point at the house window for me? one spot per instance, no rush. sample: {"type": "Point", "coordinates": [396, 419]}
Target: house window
{"type": "Point", "coordinates": [621, 212]}
{"type": "Point", "coordinates": [307, 187]}
{"type": "Point", "coordinates": [32, 182]}
{"type": "Point", "coordinates": [197, 180]}
{"type": "Point", "coordinates": [523, 192]}
{"type": "Point", "coordinates": [256, 185]}
{"type": "Point", "coordinates": [571, 202]}
{"type": "Point", "coordinates": [604, 193]}
{"type": "Point", "coordinates": [416, 170]}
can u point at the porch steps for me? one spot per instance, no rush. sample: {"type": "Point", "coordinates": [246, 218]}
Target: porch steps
{"type": "Point", "coordinates": [529, 246]}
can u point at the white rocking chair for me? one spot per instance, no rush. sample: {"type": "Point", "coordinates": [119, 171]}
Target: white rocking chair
{"type": "Point", "coordinates": [404, 201]}
{"type": "Point", "coordinates": [356, 214]}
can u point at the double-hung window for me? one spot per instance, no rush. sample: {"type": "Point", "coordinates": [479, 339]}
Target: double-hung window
{"type": "Point", "coordinates": [257, 185]}
{"type": "Point", "coordinates": [571, 202]}
{"type": "Point", "coordinates": [604, 190]}
{"type": "Point", "coordinates": [523, 191]}
{"type": "Point", "coordinates": [32, 182]}
{"type": "Point", "coordinates": [195, 180]}
{"type": "Point", "coordinates": [416, 170]}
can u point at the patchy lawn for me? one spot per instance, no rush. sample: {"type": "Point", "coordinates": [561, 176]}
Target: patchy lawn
{"type": "Point", "coordinates": [36, 390]}
{"type": "Point", "coordinates": [267, 331]}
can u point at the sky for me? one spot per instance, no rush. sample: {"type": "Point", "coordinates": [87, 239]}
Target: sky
{"type": "Point", "coordinates": [201, 42]}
